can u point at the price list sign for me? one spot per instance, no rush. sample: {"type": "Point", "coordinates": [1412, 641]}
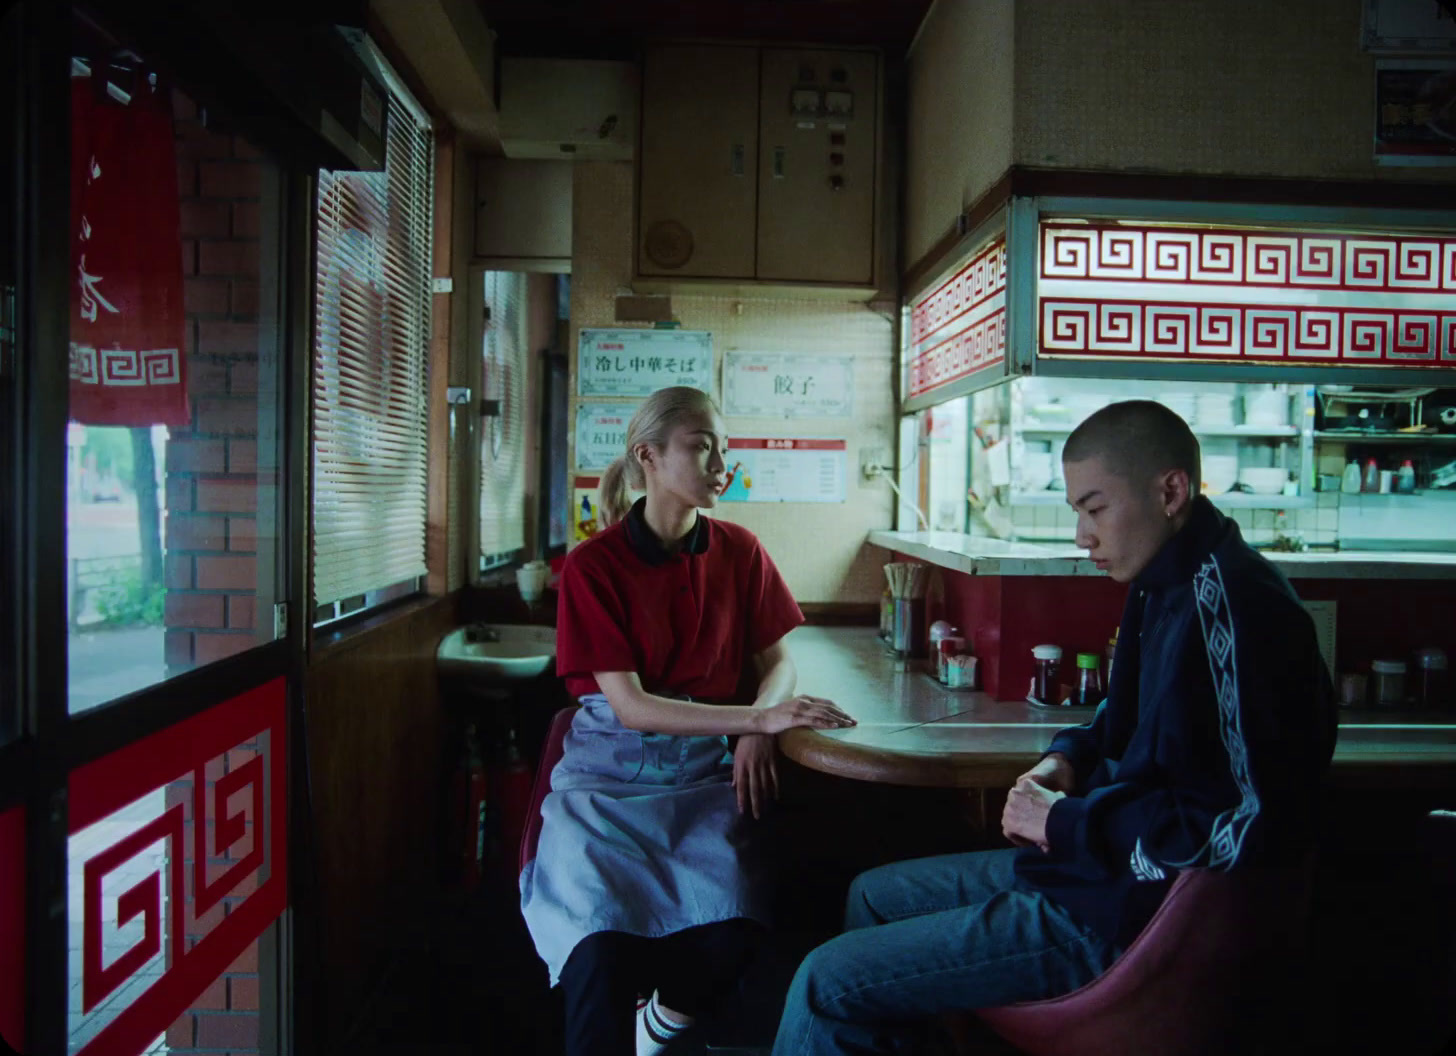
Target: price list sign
{"type": "Point", "coordinates": [786, 470]}
{"type": "Point", "coordinates": [639, 362]}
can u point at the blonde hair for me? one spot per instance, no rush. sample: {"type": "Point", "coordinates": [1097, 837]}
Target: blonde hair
{"type": "Point", "coordinates": [659, 415]}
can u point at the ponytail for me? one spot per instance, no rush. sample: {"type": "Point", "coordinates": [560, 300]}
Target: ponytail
{"type": "Point", "coordinates": [613, 500]}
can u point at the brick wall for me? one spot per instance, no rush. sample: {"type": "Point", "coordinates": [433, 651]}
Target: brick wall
{"type": "Point", "coordinates": [211, 479]}
{"type": "Point", "coordinates": [212, 506]}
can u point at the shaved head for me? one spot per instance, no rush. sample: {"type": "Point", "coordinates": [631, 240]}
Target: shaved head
{"type": "Point", "coordinates": [1137, 439]}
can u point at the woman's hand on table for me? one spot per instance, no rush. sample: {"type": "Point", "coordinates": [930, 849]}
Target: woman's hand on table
{"type": "Point", "coordinates": [803, 710]}
{"type": "Point", "coordinates": [755, 772]}
{"type": "Point", "coordinates": [1027, 805]}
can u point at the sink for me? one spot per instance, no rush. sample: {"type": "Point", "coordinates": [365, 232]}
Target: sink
{"type": "Point", "coordinates": [497, 652]}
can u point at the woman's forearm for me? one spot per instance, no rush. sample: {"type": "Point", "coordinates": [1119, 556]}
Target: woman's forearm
{"type": "Point", "coordinates": [649, 713]}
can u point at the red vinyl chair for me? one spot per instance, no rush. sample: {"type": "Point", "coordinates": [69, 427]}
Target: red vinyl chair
{"type": "Point", "coordinates": [551, 750]}
{"type": "Point", "coordinates": [1214, 972]}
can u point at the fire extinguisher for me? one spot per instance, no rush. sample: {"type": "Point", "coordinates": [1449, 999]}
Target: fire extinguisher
{"type": "Point", "coordinates": [471, 794]}
{"type": "Point", "coordinates": [513, 797]}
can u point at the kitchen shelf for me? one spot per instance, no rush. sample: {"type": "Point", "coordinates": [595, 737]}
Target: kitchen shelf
{"type": "Point", "coordinates": [1246, 432]}
{"type": "Point", "coordinates": [1387, 438]}
{"type": "Point", "coordinates": [1232, 500]}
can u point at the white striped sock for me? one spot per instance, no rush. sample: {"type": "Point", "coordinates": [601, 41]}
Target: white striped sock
{"type": "Point", "coordinates": [655, 1032]}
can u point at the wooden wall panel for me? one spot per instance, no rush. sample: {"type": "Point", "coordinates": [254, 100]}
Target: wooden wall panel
{"type": "Point", "coordinates": [377, 763]}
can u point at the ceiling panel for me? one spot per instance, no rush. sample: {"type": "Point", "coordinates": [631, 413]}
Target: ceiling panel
{"type": "Point", "coordinates": [617, 28]}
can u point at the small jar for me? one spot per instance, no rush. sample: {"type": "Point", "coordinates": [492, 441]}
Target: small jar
{"type": "Point", "coordinates": [1433, 690]}
{"type": "Point", "coordinates": [1387, 683]}
{"type": "Point", "coordinates": [1088, 693]}
{"type": "Point", "coordinates": [1045, 681]}
{"type": "Point", "coordinates": [951, 646]}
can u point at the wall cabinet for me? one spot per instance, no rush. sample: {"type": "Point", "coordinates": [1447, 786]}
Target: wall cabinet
{"type": "Point", "coordinates": [758, 164]}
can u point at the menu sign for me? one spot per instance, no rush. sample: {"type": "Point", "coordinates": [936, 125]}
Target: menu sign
{"type": "Point", "coordinates": [786, 470]}
{"type": "Point", "coordinates": [615, 362]}
{"type": "Point", "coordinates": [601, 433]}
{"type": "Point", "coordinates": [785, 386]}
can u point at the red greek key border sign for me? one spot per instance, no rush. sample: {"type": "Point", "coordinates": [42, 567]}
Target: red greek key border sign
{"type": "Point", "coordinates": [1274, 296]}
{"type": "Point", "coordinates": [12, 926]}
{"type": "Point", "coordinates": [959, 327]}
{"type": "Point", "coordinates": [218, 832]}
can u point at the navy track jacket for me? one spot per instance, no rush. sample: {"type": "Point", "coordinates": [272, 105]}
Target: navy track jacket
{"type": "Point", "coordinates": [1211, 748]}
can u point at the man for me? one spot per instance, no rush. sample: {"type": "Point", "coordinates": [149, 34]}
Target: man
{"type": "Point", "coordinates": [1207, 753]}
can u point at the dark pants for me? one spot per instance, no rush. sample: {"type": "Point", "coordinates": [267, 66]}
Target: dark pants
{"type": "Point", "coordinates": [690, 969]}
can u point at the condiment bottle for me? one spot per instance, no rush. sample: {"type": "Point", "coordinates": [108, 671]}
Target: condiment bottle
{"type": "Point", "coordinates": [1387, 678]}
{"type": "Point", "coordinates": [1111, 652]}
{"type": "Point", "coordinates": [1089, 681]}
{"type": "Point", "coordinates": [1432, 687]}
{"type": "Point", "coordinates": [1405, 479]}
{"type": "Point", "coordinates": [1048, 662]}
{"type": "Point", "coordinates": [1372, 477]}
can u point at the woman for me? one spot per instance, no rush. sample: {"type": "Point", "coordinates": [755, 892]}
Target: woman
{"type": "Point", "coordinates": [640, 879]}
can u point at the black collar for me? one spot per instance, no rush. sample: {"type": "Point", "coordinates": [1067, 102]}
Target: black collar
{"type": "Point", "coordinates": [1181, 556]}
{"type": "Point", "coordinates": [649, 548]}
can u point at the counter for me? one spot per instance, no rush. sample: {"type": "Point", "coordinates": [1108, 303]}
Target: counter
{"type": "Point", "coordinates": [913, 731]}
{"type": "Point", "coordinates": [981, 556]}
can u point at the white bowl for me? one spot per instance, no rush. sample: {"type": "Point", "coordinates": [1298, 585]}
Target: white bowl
{"type": "Point", "coordinates": [1263, 480]}
{"type": "Point", "coordinates": [1220, 472]}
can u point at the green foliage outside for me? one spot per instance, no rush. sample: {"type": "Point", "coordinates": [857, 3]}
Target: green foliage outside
{"type": "Point", "coordinates": [112, 447]}
{"type": "Point", "coordinates": [125, 602]}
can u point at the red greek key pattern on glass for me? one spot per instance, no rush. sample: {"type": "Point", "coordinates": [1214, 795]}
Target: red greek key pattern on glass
{"type": "Point", "coordinates": [1291, 332]}
{"type": "Point", "coordinates": [959, 327]}
{"type": "Point", "coordinates": [1267, 295]}
{"type": "Point", "coordinates": [1383, 264]}
{"type": "Point", "coordinates": [178, 845]}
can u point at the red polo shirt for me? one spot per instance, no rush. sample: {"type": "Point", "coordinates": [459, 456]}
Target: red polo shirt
{"type": "Point", "coordinates": [684, 622]}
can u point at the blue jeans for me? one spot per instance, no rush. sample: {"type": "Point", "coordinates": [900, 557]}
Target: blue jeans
{"type": "Point", "coordinates": [928, 936]}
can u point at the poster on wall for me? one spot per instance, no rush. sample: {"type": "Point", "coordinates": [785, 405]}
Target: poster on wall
{"type": "Point", "coordinates": [1415, 112]}
{"type": "Point", "coordinates": [1407, 26]}
{"type": "Point", "coordinates": [584, 508]}
{"type": "Point", "coordinates": [601, 433]}
{"type": "Point", "coordinates": [786, 470]}
{"type": "Point", "coordinates": [620, 362]}
{"type": "Point", "coordinates": [787, 386]}
{"type": "Point", "coordinates": [586, 519]}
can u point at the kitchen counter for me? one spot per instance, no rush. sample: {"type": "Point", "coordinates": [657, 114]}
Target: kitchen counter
{"type": "Point", "coordinates": [982, 556]}
{"type": "Point", "coordinates": [913, 731]}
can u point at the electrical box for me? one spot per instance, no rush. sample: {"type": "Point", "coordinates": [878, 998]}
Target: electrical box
{"type": "Point", "coordinates": [759, 164]}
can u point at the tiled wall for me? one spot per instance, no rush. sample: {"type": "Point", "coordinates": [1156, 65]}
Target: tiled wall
{"type": "Point", "coordinates": [959, 102]}
{"type": "Point", "coordinates": [820, 548]}
{"type": "Point", "coordinates": [1200, 86]}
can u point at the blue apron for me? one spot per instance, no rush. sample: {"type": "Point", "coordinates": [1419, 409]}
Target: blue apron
{"type": "Point", "coordinates": [640, 833]}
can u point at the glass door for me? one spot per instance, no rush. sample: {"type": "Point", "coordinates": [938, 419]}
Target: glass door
{"type": "Point", "coordinates": [155, 239]}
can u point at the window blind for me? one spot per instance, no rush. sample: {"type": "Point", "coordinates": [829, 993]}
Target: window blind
{"type": "Point", "coordinates": [372, 334]}
{"type": "Point", "coordinates": [503, 436]}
